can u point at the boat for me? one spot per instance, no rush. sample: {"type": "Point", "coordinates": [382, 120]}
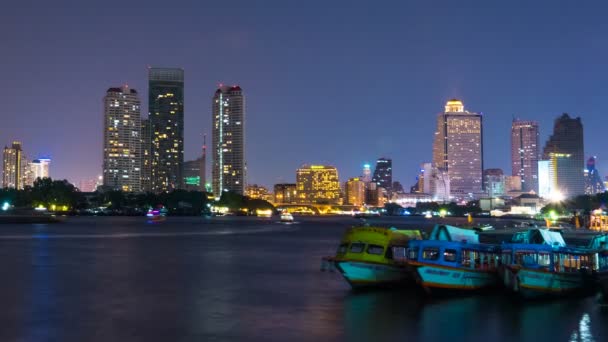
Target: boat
{"type": "Point", "coordinates": [537, 263]}
{"type": "Point", "coordinates": [599, 245]}
{"type": "Point", "coordinates": [157, 215]}
{"type": "Point", "coordinates": [286, 217]}
{"type": "Point", "coordinates": [373, 256]}
{"type": "Point", "coordinates": [453, 259]}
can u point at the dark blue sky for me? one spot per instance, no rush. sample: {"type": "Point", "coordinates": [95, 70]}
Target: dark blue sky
{"type": "Point", "coordinates": [338, 82]}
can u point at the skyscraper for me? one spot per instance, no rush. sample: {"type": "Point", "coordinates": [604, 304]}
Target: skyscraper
{"type": "Point", "coordinates": [146, 155]}
{"type": "Point", "coordinates": [458, 149]}
{"type": "Point", "coordinates": [566, 149]}
{"type": "Point", "coordinates": [228, 140]}
{"type": "Point", "coordinates": [318, 184]}
{"type": "Point", "coordinates": [192, 175]}
{"type": "Point", "coordinates": [12, 166]}
{"type": "Point", "coordinates": [367, 173]}
{"type": "Point", "coordinates": [166, 115]}
{"type": "Point", "coordinates": [525, 150]}
{"type": "Point", "coordinates": [122, 152]}
{"type": "Point", "coordinates": [383, 173]}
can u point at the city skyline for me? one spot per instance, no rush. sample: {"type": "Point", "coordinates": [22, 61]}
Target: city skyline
{"type": "Point", "coordinates": [522, 82]}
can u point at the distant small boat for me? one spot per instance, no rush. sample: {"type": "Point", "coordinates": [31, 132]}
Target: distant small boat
{"type": "Point", "coordinates": [286, 217]}
{"type": "Point", "coordinates": [157, 215]}
{"type": "Point", "coordinates": [372, 256]}
{"type": "Point", "coordinates": [453, 259]}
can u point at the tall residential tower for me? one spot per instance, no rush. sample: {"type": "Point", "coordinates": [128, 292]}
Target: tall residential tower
{"type": "Point", "coordinates": [166, 115]}
{"type": "Point", "coordinates": [13, 166]}
{"type": "Point", "coordinates": [122, 147]}
{"type": "Point", "coordinates": [525, 150]}
{"type": "Point", "coordinates": [458, 149]}
{"type": "Point", "coordinates": [228, 140]}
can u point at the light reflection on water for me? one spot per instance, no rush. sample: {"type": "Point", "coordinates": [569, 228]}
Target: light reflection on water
{"type": "Point", "coordinates": [584, 330]}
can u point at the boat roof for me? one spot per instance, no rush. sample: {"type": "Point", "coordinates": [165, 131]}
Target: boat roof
{"type": "Point", "coordinates": [539, 236]}
{"type": "Point", "coordinates": [446, 232]}
{"type": "Point", "coordinates": [599, 242]}
{"type": "Point", "coordinates": [381, 235]}
{"type": "Point", "coordinates": [527, 247]}
{"type": "Point", "coordinates": [455, 245]}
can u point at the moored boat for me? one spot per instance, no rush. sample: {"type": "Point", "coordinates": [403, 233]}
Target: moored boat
{"type": "Point", "coordinates": [538, 264]}
{"type": "Point", "coordinates": [453, 259]}
{"type": "Point", "coordinates": [599, 246]}
{"type": "Point", "coordinates": [372, 256]}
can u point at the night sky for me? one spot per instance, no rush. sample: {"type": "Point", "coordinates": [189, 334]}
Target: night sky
{"type": "Point", "coordinates": [326, 81]}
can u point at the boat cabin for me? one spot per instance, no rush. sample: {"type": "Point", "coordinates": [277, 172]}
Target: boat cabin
{"type": "Point", "coordinates": [549, 258]}
{"type": "Point", "coordinates": [376, 244]}
{"type": "Point", "coordinates": [454, 254]}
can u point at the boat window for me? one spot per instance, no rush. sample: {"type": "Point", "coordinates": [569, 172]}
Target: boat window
{"type": "Point", "coordinates": [342, 249]}
{"type": "Point", "coordinates": [603, 261]}
{"type": "Point", "coordinates": [357, 247]}
{"type": "Point", "coordinates": [399, 253]}
{"type": "Point", "coordinates": [449, 255]}
{"type": "Point", "coordinates": [430, 253]}
{"type": "Point", "coordinates": [412, 253]}
{"type": "Point", "coordinates": [470, 258]}
{"type": "Point", "coordinates": [506, 258]}
{"type": "Point", "coordinates": [544, 259]}
{"type": "Point", "coordinates": [375, 249]}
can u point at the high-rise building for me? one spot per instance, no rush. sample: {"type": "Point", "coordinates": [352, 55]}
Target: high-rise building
{"type": "Point", "coordinates": [39, 168]}
{"type": "Point", "coordinates": [367, 173]}
{"type": "Point", "coordinates": [544, 179]}
{"type": "Point", "coordinates": [458, 149]}
{"type": "Point", "coordinates": [228, 140]}
{"type": "Point", "coordinates": [122, 148]}
{"type": "Point", "coordinates": [285, 193]}
{"type": "Point", "coordinates": [146, 159]}
{"type": "Point", "coordinates": [355, 192]}
{"type": "Point", "coordinates": [565, 149]}
{"type": "Point", "coordinates": [593, 180]}
{"type": "Point", "coordinates": [12, 166]}
{"type": "Point", "coordinates": [166, 115]}
{"type": "Point", "coordinates": [318, 184]}
{"type": "Point", "coordinates": [525, 151]}
{"type": "Point", "coordinates": [494, 182]}
{"type": "Point", "coordinates": [383, 173]}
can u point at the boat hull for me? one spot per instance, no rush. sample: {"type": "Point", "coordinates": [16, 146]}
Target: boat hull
{"type": "Point", "coordinates": [532, 283]}
{"type": "Point", "coordinates": [436, 277]}
{"type": "Point", "coordinates": [365, 274]}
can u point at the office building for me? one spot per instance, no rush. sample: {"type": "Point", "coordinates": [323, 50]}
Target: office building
{"type": "Point", "coordinates": [317, 184]}
{"type": "Point", "coordinates": [383, 173]}
{"type": "Point", "coordinates": [146, 159]}
{"type": "Point", "coordinates": [228, 140]}
{"type": "Point", "coordinates": [12, 176]}
{"type": "Point", "coordinates": [565, 150]}
{"type": "Point", "coordinates": [38, 168]}
{"type": "Point", "coordinates": [525, 151]}
{"type": "Point", "coordinates": [354, 192]}
{"type": "Point", "coordinates": [192, 175]}
{"type": "Point", "coordinates": [255, 191]}
{"type": "Point", "coordinates": [458, 149]}
{"type": "Point", "coordinates": [166, 115]}
{"type": "Point", "coordinates": [367, 173]}
{"type": "Point", "coordinates": [494, 182]}
{"type": "Point", "coordinates": [122, 148]}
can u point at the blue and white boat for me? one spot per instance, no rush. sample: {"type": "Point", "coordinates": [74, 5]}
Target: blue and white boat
{"type": "Point", "coordinates": [538, 263]}
{"type": "Point", "coordinates": [453, 259]}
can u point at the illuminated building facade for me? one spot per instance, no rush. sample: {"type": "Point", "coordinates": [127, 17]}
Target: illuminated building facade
{"type": "Point", "coordinates": [318, 184]}
{"type": "Point", "coordinates": [146, 159]}
{"type": "Point", "coordinates": [285, 193]}
{"type": "Point", "coordinates": [38, 168]}
{"type": "Point", "coordinates": [593, 180]}
{"type": "Point", "coordinates": [565, 151]}
{"type": "Point", "coordinates": [166, 115]}
{"type": "Point", "coordinates": [122, 149]}
{"type": "Point", "coordinates": [257, 192]}
{"type": "Point", "coordinates": [383, 173]}
{"type": "Point", "coordinates": [525, 151]}
{"type": "Point", "coordinates": [228, 140]}
{"type": "Point", "coordinates": [355, 192]}
{"type": "Point", "coordinates": [512, 184]}
{"type": "Point", "coordinates": [458, 149]}
{"type": "Point", "coordinates": [544, 179]}
{"type": "Point", "coordinates": [12, 167]}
